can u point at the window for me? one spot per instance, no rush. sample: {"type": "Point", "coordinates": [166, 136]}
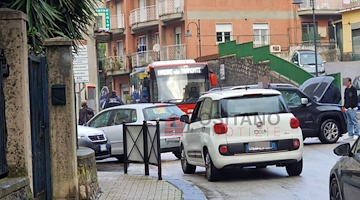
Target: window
{"type": "Point", "coordinates": [127, 115]}
{"type": "Point", "coordinates": [223, 33]}
{"type": "Point", "coordinates": [261, 34]}
{"type": "Point", "coordinates": [307, 29]}
{"type": "Point", "coordinates": [163, 113]}
{"type": "Point", "coordinates": [178, 35]}
{"type": "Point", "coordinates": [356, 148]}
{"type": "Point", "coordinates": [205, 110]}
{"type": "Point", "coordinates": [215, 113]}
{"type": "Point", "coordinates": [141, 44]}
{"type": "Point", "coordinates": [101, 120]}
{"type": "Point", "coordinates": [98, 22]}
{"type": "Point", "coordinates": [291, 97]}
{"type": "Point", "coordinates": [157, 39]}
{"type": "Point", "coordinates": [196, 113]}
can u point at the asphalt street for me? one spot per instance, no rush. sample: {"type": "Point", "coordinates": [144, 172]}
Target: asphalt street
{"type": "Point", "coordinates": [271, 183]}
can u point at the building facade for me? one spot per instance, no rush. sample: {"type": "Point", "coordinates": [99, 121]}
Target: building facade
{"type": "Point", "coordinates": [143, 31]}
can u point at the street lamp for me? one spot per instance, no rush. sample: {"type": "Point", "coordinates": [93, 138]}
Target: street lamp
{"type": "Point", "coordinates": [314, 24]}
{"type": "Point", "coordinates": [188, 34]}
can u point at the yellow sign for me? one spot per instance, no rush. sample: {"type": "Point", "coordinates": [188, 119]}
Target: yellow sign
{"type": "Point", "coordinates": [142, 75]}
{"type": "Point", "coordinates": [160, 111]}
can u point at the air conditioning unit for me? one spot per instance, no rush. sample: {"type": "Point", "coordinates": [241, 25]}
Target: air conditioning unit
{"type": "Point", "coordinates": [275, 48]}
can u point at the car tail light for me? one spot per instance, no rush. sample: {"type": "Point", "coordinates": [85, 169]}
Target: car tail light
{"type": "Point", "coordinates": [294, 122]}
{"type": "Point", "coordinates": [220, 128]}
{"type": "Point", "coordinates": [223, 149]}
{"type": "Point", "coordinates": [296, 144]}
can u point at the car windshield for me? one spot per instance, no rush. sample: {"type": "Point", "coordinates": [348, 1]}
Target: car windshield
{"type": "Point", "coordinates": [182, 84]}
{"type": "Point", "coordinates": [162, 113]}
{"type": "Point", "coordinates": [252, 105]}
{"type": "Point", "coordinates": [309, 58]}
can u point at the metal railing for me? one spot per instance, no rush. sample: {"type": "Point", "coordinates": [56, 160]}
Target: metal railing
{"type": "Point", "coordinates": [328, 4]}
{"type": "Point", "coordinates": [170, 52]}
{"type": "Point", "coordinates": [173, 52]}
{"type": "Point", "coordinates": [167, 7]}
{"type": "Point", "coordinates": [117, 21]}
{"type": "Point", "coordinates": [143, 14]}
{"type": "Point", "coordinates": [113, 63]}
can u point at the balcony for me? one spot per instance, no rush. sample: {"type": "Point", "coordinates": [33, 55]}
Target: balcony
{"type": "Point", "coordinates": [325, 7]}
{"type": "Point", "coordinates": [117, 24]}
{"type": "Point", "coordinates": [171, 10]}
{"type": "Point", "coordinates": [171, 52]}
{"type": "Point", "coordinates": [143, 18]}
{"type": "Point", "coordinates": [115, 65]}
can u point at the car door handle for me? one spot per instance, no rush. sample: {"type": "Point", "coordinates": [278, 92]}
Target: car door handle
{"type": "Point", "coordinates": [203, 127]}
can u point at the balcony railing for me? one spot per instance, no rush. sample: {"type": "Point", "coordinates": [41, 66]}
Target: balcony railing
{"type": "Point", "coordinates": [167, 7]}
{"type": "Point", "coordinates": [144, 14]}
{"type": "Point", "coordinates": [114, 63]}
{"type": "Point", "coordinates": [328, 5]}
{"type": "Point", "coordinates": [171, 52]}
{"type": "Point", "coordinates": [117, 21]}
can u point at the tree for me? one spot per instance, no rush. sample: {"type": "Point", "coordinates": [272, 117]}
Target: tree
{"type": "Point", "coordinates": [53, 18]}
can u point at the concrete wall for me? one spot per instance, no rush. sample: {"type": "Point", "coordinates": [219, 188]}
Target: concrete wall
{"type": "Point", "coordinates": [62, 120]}
{"type": "Point", "coordinates": [244, 71]}
{"type": "Point", "coordinates": [13, 39]}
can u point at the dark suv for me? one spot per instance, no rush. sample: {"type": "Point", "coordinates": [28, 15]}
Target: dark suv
{"type": "Point", "coordinates": [322, 120]}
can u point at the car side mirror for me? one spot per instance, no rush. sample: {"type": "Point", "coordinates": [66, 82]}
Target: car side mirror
{"type": "Point", "coordinates": [296, 62]}
{"type": "Point", "coordinates": [184, 118]}
{"type": "Point", "coordinates": [324, 61]}
{"type": "Point", "coordinates": [304, 101]}
{"type": "Point", "coordinates": [343, 150]}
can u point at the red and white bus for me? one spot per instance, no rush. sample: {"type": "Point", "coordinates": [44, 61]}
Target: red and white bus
{"type": "Point", "coordinates": [180, 82]}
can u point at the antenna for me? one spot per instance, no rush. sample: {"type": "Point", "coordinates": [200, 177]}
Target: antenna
{"type": "Point", "coordinates": [156, 47]}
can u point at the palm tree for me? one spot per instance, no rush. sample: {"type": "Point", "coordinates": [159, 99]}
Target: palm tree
{"type": "Point", "coordinates": [53, 18]}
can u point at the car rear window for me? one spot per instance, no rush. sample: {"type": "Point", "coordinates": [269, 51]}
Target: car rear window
{"type": "Point", "coordinates": [252, 105]}
{"type": "Point", "coordinates": [162, 112]}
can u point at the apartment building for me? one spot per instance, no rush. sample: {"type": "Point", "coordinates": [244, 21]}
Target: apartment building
{"type": "Point", "coordinates": [142, 31]}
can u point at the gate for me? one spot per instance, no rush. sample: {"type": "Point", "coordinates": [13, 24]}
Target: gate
{"type": "Point", "coordinates": [39, 128]}
{"type": "Point", "coordinates": [3, 130]}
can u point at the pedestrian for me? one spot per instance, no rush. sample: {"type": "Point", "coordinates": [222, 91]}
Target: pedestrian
{"type": "Point", "coordinates": [113, 100]}
{"type": "Point", "coordinates": [332, 95]}
{"type": "Point", "coordinates": [351, 108]}
{"type": "Point", "coordinates": [85, 113]}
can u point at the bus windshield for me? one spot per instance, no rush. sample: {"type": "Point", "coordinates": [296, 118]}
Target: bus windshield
{"type": "Point", "coordinates": [178, 84]}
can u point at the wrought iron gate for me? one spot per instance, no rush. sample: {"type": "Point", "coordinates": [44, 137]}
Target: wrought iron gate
{"type": "Point", "coordinates": [3, 130]}
{"type": "Point", "coordinates": [39, 128]}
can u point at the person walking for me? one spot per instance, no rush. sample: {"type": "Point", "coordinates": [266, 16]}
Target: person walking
{"type": "Point", "coordinates": [350, 106]}
{"type": "Point", "coordinates": [113, 100]}
{"type": "Point", "coordinates": [85, 113]}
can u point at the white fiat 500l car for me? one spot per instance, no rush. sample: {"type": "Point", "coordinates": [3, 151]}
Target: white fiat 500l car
{"type": "Point", "coordinates": [241, 128]}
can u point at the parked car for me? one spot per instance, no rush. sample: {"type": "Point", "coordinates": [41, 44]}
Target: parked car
{"type": "Point", "coordinates": [110, 121]}
{"type": "Point", "coordinates": [322, 120]}
{"type": "Point", "coordinates": [241, 128]}
{"type": "Point", "coordinates": [94, 139]}
{"type": "Point", "coordinates": [356, 84]}
{"type": "Point", "coordinates": [344, 181]}
{"type": "Point", "coordinates": [306, 60]}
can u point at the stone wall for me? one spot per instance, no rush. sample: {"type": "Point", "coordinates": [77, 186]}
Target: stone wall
{"type": "Point", "coordinates": [244, 71]}
{"type": "Point", "coordinates": [87, 174]}
{"type": "Point", "coordinates": [15, 189]}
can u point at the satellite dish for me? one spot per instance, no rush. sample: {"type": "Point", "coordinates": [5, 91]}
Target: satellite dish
{"type": "Point", "coordinates": [156, 47]}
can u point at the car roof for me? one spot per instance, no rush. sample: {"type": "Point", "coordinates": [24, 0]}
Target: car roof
{"type": "Point", "coordinates": [221, 94]}
{"type": "Point", "coordinates": [305, 50]}
{"type": "Point", "coordinates": [253, 86]}
{"type": "Point", "coordinates": [138, 106]}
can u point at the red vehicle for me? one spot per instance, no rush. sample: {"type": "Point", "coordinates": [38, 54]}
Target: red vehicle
{"type": "Point", "coordinates": [180, 82]}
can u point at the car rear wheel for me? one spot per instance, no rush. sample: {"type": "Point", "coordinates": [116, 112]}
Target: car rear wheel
{"type": "Point", "coordinates": [211, 173]}
{"type": "Point", "coordinates": [334, 190]}
{"type": "Point", "coordinates": [186, 167]}
{"type": "Point", "coordinates": [294, 169]}
{"type": "Point", "coordinates": [329, 131]}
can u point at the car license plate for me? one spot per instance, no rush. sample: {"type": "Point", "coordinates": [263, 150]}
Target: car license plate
{"type": "Point", "coordinates": [103, 147]}
{"type": "Point", "coordinates": [260, 146]}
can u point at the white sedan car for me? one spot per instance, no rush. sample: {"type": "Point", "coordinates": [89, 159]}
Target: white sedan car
{"type": "Point", "coordinates": [110, 121]}
{"type": "Point", "coordinates": [240, 128]}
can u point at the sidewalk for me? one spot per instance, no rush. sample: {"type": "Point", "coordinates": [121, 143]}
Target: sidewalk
{"type": "Point", "coordinates": [117, 185]}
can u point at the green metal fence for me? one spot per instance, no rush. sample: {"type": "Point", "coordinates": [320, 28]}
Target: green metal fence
{"type": "Point", "coordinates": [260, 54]}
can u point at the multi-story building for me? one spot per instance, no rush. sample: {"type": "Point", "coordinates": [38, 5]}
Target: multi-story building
{"type": "Point", "coordinates": [142, 31]}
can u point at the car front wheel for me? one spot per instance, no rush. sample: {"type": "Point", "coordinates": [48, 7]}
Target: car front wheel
{"type": "Point", "coordinates": [186, 167]}
{"type": "Point", "coordinates": [211, 173]}
{"type": "Point", "coordinates": [334, 190]}
{"type": "Point", "coordinates": [294, 169]}
{"type": "Point", "coordinates": [330, 131]}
